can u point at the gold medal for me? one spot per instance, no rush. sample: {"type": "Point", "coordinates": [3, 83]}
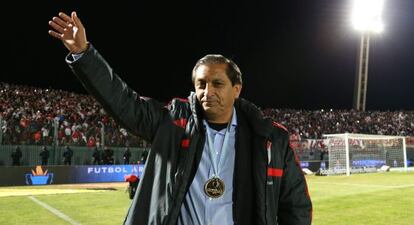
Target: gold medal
{"type": "Point", "coordinates": [214, 187]}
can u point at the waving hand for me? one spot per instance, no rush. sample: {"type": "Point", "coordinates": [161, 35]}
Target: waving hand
{"type": "Point", "coordinates": [70, 31]}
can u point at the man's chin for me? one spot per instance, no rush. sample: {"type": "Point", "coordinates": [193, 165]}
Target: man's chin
{"type": "Point", "coordinates": [208, 110]}
{"type": "Point", "coordinates": [207, 106]}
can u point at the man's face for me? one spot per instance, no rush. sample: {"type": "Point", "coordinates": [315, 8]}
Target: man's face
{"type": "Point", "coordinates": [215, 92]}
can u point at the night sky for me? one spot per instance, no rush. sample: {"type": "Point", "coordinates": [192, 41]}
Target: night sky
{"type": "Point", "coordinates": [293, 54]}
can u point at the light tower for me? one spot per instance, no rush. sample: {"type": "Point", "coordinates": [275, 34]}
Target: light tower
{"type": "Point", "coordinates": [366, 18]}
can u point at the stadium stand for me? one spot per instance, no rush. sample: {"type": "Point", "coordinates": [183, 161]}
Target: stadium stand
{"type": "Point", "coordinates": [310, 124]}
{"type": "Point", "coordinates": [37, 116]}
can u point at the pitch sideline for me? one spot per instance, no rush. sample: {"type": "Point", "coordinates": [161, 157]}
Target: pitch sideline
{"type": "Point", "coordinates": [54, 211]}
{"type": "Point", "coordinates": [367, 185]}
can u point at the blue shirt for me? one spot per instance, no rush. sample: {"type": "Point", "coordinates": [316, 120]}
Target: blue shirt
{"type": "Point", "coordinates": [198, 208]}
{"type": "Point", "coordinates": [76, 56]}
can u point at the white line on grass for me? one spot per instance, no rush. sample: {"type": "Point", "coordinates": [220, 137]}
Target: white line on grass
{"type": "Point", "coordinates": [55, 211]}
{"type": "Point", "coordinates": [367, 185]}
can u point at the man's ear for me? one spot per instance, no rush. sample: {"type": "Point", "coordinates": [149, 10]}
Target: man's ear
{"type": "Point", "coordinates": [237, 90]}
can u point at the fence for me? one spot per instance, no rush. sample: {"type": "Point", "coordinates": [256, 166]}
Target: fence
{"type": "Point", "coordinates": [81, 155]}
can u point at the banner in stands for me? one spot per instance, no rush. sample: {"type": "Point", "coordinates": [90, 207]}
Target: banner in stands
{"type": "Point", "coordinates": [44, 175]}
{"type": "Point", "coordinates": [39, 177]}
{"type": "Point", "coordinates": [106, 173]}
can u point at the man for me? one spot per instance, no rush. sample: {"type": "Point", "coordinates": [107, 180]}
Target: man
{"type": "Point", "coordinates": [44, 155]}
{"type": "Point", "coordinates": [108, 156]}
{"type": "Point", "coordinates": [133, 181]}
{"type": "Point", "coordinates": [214, 159]}
{"type": "Point", "coordinates": [16, 156]}
{"type": "Point", "coordinates": [96, 156]}
{"type": "Point", "coordinates": [67, 156]}
{"type": "Point", "coordinates": [127, 155]}
{"type": "Point", "coordinates": [143, 157]}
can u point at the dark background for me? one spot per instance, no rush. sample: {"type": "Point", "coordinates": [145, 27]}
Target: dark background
{"type": "Point", "coordinates": [293, 54]}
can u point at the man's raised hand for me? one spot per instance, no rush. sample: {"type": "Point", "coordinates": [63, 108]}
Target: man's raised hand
{"type": "Point", "coordinates": [70, 31]}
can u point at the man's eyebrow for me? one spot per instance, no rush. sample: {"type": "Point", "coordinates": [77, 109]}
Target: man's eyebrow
{"type": "Point", "coordinates": [216, 79]}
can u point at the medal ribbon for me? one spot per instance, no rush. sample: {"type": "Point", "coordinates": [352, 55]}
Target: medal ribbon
{"type": "Point", "coordinates": [218, 163]}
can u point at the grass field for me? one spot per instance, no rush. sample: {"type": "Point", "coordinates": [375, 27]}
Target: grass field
{"type": "Point", "coordinates": [364, 199]}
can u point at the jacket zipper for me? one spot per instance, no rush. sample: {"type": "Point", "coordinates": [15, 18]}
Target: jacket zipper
{"type": "Point", "coordinates": [269, 158]}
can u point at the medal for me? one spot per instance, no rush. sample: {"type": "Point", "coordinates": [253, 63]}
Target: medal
{"type": "Point", "coordinates": [214, 187]}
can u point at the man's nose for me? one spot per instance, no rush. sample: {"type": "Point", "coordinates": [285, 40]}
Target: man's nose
{"type": "Point", "coordinates": [208, 90]}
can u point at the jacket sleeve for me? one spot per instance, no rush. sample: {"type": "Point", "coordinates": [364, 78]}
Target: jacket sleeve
{"type": "Point", "coordinates": [295, 206]}
{"type": "Point", "coordinates": [139, 115]}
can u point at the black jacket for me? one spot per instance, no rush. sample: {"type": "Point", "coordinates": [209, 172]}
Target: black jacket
{"type": "Point", "coordinates": [67, 154]}
{"type": "Point", "coordinates": [269, 186]}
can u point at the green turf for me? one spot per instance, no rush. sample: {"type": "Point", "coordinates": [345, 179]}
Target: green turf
{"type": "Point", "coordinates": [100, 208]}
{"type": "Point", "coordinates": [22, 210]}
{"type": "Point", "coordinates": [365, 199]}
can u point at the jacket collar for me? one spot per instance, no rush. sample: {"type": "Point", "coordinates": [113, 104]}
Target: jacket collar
{"type": "Point", "coordinates": [196, 110]}
{"type": "Point", "coordinates": [255, 119]}
{"type": "Point", "coordinates": [253, 115]}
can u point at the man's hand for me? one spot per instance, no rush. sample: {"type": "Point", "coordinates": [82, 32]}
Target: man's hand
{"type": "Point", "coordinates": [70, 31]}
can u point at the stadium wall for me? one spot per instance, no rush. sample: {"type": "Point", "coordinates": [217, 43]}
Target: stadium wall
{"type": "Point", "coordinates": [45, 175]}
{"type": "Point", "coordinates": [81, 155]}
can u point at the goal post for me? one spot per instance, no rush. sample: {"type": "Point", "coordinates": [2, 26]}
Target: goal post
{"type": "Point", "coordinates": [362, 153]}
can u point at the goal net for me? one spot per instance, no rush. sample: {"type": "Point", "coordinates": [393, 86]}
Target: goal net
{"type": "Point", "coordinates": [361, 153]}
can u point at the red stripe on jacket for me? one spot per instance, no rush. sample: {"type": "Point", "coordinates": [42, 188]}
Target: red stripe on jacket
{"type": "Point", "coordinates": [185, 143]}
{"type": "Point", "coordinates": [280, 126]}
{"type": "Point", "coordinates": [273, 172]}
{"type": "Point", "coordinates": [181, 122]}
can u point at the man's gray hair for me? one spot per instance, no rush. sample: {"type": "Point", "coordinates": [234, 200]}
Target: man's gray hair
{"type": "Point", "coordinates": [233, 71]}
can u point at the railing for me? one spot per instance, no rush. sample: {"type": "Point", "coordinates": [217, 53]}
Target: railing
{"type": "Point", "coordinates": [81, 155]}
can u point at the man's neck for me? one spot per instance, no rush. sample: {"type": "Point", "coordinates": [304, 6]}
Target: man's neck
{"type": "Point", "coordinates": [217, 126]}
{"type": "Point", "coordinates": [220, 119]}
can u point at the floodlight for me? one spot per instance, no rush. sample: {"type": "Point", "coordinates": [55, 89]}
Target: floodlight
{"type": "Point", "coordinates": [366, 15]}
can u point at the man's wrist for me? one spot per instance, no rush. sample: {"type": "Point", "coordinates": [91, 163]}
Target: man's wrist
{"type": "Point", "coordinates": [76, 56]}
{"type": "Point", "coordinates": [82, 49]}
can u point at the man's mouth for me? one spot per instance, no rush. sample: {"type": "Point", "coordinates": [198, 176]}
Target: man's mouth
{"type": "Point", "coordinates": [208, 103]}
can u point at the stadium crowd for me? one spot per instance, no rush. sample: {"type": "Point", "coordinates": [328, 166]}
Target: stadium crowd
{"type": "Point", "coordinates": [31, 115]}
{"type": "Point", "coordinates": [308, 124]}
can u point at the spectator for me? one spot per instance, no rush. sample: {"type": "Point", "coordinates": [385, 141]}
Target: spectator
{"type": "Point", "coordinates": [108, 154]}
{"type": "Point", "coordinates": [144, 156]}
{"type": "Point", "coordinates": [127, 155]}
{"type": "Point", "coordinates": [16, 156]}
{"type": "Point", "coordinates": [44, 156]}
{"type": "Point", "coordinates": [67, 156]}
{"type": "Point", "coordinates": [96, 156]}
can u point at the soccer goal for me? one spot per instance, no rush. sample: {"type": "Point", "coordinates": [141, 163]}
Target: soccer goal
{"type": "Point", "coordinates": [362, 153]}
